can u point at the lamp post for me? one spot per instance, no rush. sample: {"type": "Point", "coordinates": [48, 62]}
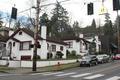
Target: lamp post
{"type": "Point", "coordinates": [36, 36]}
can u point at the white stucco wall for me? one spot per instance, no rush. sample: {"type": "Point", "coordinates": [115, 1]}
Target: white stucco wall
{"type": "Point", "coordinates": [17, 53]}
{"type": "Point", "coordinates": [75, 46]}
{"type": "Point", "coordinates": [58, 48]}
{"type": "Point", "coordinates": [39, 63]}
{"type": "Point", "coordinates": [97, 41]}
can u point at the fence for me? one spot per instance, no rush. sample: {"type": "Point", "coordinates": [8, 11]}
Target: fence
{"type": "Point", "coordinates": [39, 63]}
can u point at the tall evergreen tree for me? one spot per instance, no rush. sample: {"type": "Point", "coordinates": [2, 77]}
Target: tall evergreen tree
{"type": "Point", "coordinates": [108, 29]}
{"type": "Point", "coordinates": [44, 20]}
{"type": "Point", "coordinates": [93, 27]}
{"type": "Point", "coordinates": [1, 22]}
{"type": "Point", "coordinates": [60, 22]}
{"type": "Point", "coordinates": [76, 28]}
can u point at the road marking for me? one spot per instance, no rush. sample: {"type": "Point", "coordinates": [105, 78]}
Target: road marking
{"type": "Point", "coordinates": [114, 78]}
{"type": "Point", "coordinates": [94, 76]}
{"type": "Point", "coordinates": [39, 73]}
{"type": "Point", "coordinates": [80, 75]}
{"type": "Point", "coordinates": [53, 73]}
{"type": "Point", "coordinates": [65, 74]}
{"type": "Point", "coordinates": [2, 75]}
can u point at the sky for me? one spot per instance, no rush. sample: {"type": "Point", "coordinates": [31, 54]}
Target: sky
{"type": "Point", "coordinates": [77, 9]}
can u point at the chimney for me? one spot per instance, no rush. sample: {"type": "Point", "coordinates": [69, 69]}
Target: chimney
{"type": "Point", "coordinates": [43, 31]}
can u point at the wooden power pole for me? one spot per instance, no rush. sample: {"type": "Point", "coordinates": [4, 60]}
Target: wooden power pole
{"type": "Point", "coordinates": [34, 67]}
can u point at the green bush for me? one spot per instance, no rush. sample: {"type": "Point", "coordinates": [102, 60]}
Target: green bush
{"type": "Point", "coordinates": [49, 55]}
{"type": "Point", "coordinates": [37, 57]}
{"type": "Point", "coordinates": [67, 53]}
{"type": "Point", "coordinates": [59, 55]}
{"type": "Point", "coordinates": [72, 55]}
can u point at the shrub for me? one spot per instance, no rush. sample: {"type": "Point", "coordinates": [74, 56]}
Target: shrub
{"type": "Point", "coordinates": [49, 55]}
{"type": "Point", "coordinates": [38, 57]}
{"type": "Point", "coordinates": [67, 53]}
{"type": "Point", "coordinates": [72, 55]}
{"type": "Point", "coordinates": [59, 55]}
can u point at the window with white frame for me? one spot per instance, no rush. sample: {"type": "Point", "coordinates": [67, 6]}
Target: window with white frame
{"type": "Point", "coordinates": [25, 45]}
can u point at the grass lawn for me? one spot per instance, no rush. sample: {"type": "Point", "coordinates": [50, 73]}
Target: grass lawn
{"type": "Point", "coordinates": [61, 67]}
{"type": "Point", "coordinates": [4, 68]}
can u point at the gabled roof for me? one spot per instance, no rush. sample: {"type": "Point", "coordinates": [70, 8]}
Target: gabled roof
{"type": "Point", "coordinates": [27, 31]}
{"type": "Point", "coordinates": [31, 33]}
{"type": "Point", "coordinates": [15, 39]}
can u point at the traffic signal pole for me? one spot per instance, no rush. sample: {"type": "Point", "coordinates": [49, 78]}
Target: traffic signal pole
{"type": "Point", "coordinates": [118, 31]}
{"type": "Point", "coordinates": [34, 66]}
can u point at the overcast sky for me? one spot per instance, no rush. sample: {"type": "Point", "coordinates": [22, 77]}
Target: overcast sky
{"type": "Point", "coordinates": [77, 9]}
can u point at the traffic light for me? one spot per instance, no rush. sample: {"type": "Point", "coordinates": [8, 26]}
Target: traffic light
{"type": "Point", "coordinates": [90, 8]}
{"type": "Point", "coordinates": [116, 4]}
{"type": "Point", "coordinates": [14, 13]}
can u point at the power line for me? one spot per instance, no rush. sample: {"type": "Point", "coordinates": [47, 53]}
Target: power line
{"type": "Point", "coordinates": [42, 6]}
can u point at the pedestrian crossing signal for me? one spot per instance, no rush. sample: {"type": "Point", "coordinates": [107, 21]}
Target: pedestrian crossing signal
{"type": "Point", "coordinates": [90, 8]}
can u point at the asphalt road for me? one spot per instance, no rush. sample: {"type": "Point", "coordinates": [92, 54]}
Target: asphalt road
{"type": "Point", "coordinates": [108, 71]}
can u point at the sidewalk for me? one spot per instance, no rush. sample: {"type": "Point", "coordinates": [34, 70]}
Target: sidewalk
{"type": "Point", "coordinates": [42, 69]}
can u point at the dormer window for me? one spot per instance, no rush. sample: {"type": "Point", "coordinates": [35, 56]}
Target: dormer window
{"type": "Point", "coordinates": [20, 33]}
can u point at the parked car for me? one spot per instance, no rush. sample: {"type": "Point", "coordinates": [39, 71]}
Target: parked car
{"type": "Point", "coordinates": [116, 57]}
{"type": "Point", "coordinates": [103, 58]}
{"type": "Point", "coordinates": [89, 60]}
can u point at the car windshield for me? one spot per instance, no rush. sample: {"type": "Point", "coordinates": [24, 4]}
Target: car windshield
{"type": "Point", "coordinates": [86, 58]}
{"type": "Point", "coordinates": [100, 56]}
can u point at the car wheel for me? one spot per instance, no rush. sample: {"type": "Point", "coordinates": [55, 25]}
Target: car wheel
{"type": "Point", "coordinates": [96, 63]}
{"type": "Point", "coordinates": [90, 64]}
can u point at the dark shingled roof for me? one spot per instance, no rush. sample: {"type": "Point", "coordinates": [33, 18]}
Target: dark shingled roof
{"type": "Point", "coordinates": [31, 33]}
{"type": "Point", "coordinates": [55, 40]}
{"type": "Point", "coordinates": [75, 38]}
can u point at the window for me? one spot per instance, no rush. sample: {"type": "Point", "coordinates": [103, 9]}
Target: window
{"type": "Point", "coordinates": [61, 48]}
{"type": "Point", "coordinates": [54, 48]}
{"type": "Point", "coordinates": [81, 46]}
{"type": "Point", "coordinates": [25, 45]}
{"type": "Point", "coordinates": [70, 44]}
{"type": "Point", "coordinates": [13, 44]}
{"type": "Point", "coordinates": [86, 47]}
{"type": "Point", "coordinates": [47, 46]}
{"type": "Point", "coordinates": [20, 33]}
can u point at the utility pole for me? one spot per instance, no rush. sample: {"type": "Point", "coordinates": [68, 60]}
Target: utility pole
{"type": "Point", "coordinates": [118, 31]}
{"type": "Point", "coordinates": [34, 67]}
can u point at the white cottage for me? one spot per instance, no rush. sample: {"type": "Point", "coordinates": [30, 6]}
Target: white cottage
{"type": "Point", "coordinates": [19, 45]}
{"type": "Point", "coordinates": [96, 40]}
{"type": "Point", "coordinates": [80, 45]}
{"type": "Point", "coordinates": [2, 46]}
